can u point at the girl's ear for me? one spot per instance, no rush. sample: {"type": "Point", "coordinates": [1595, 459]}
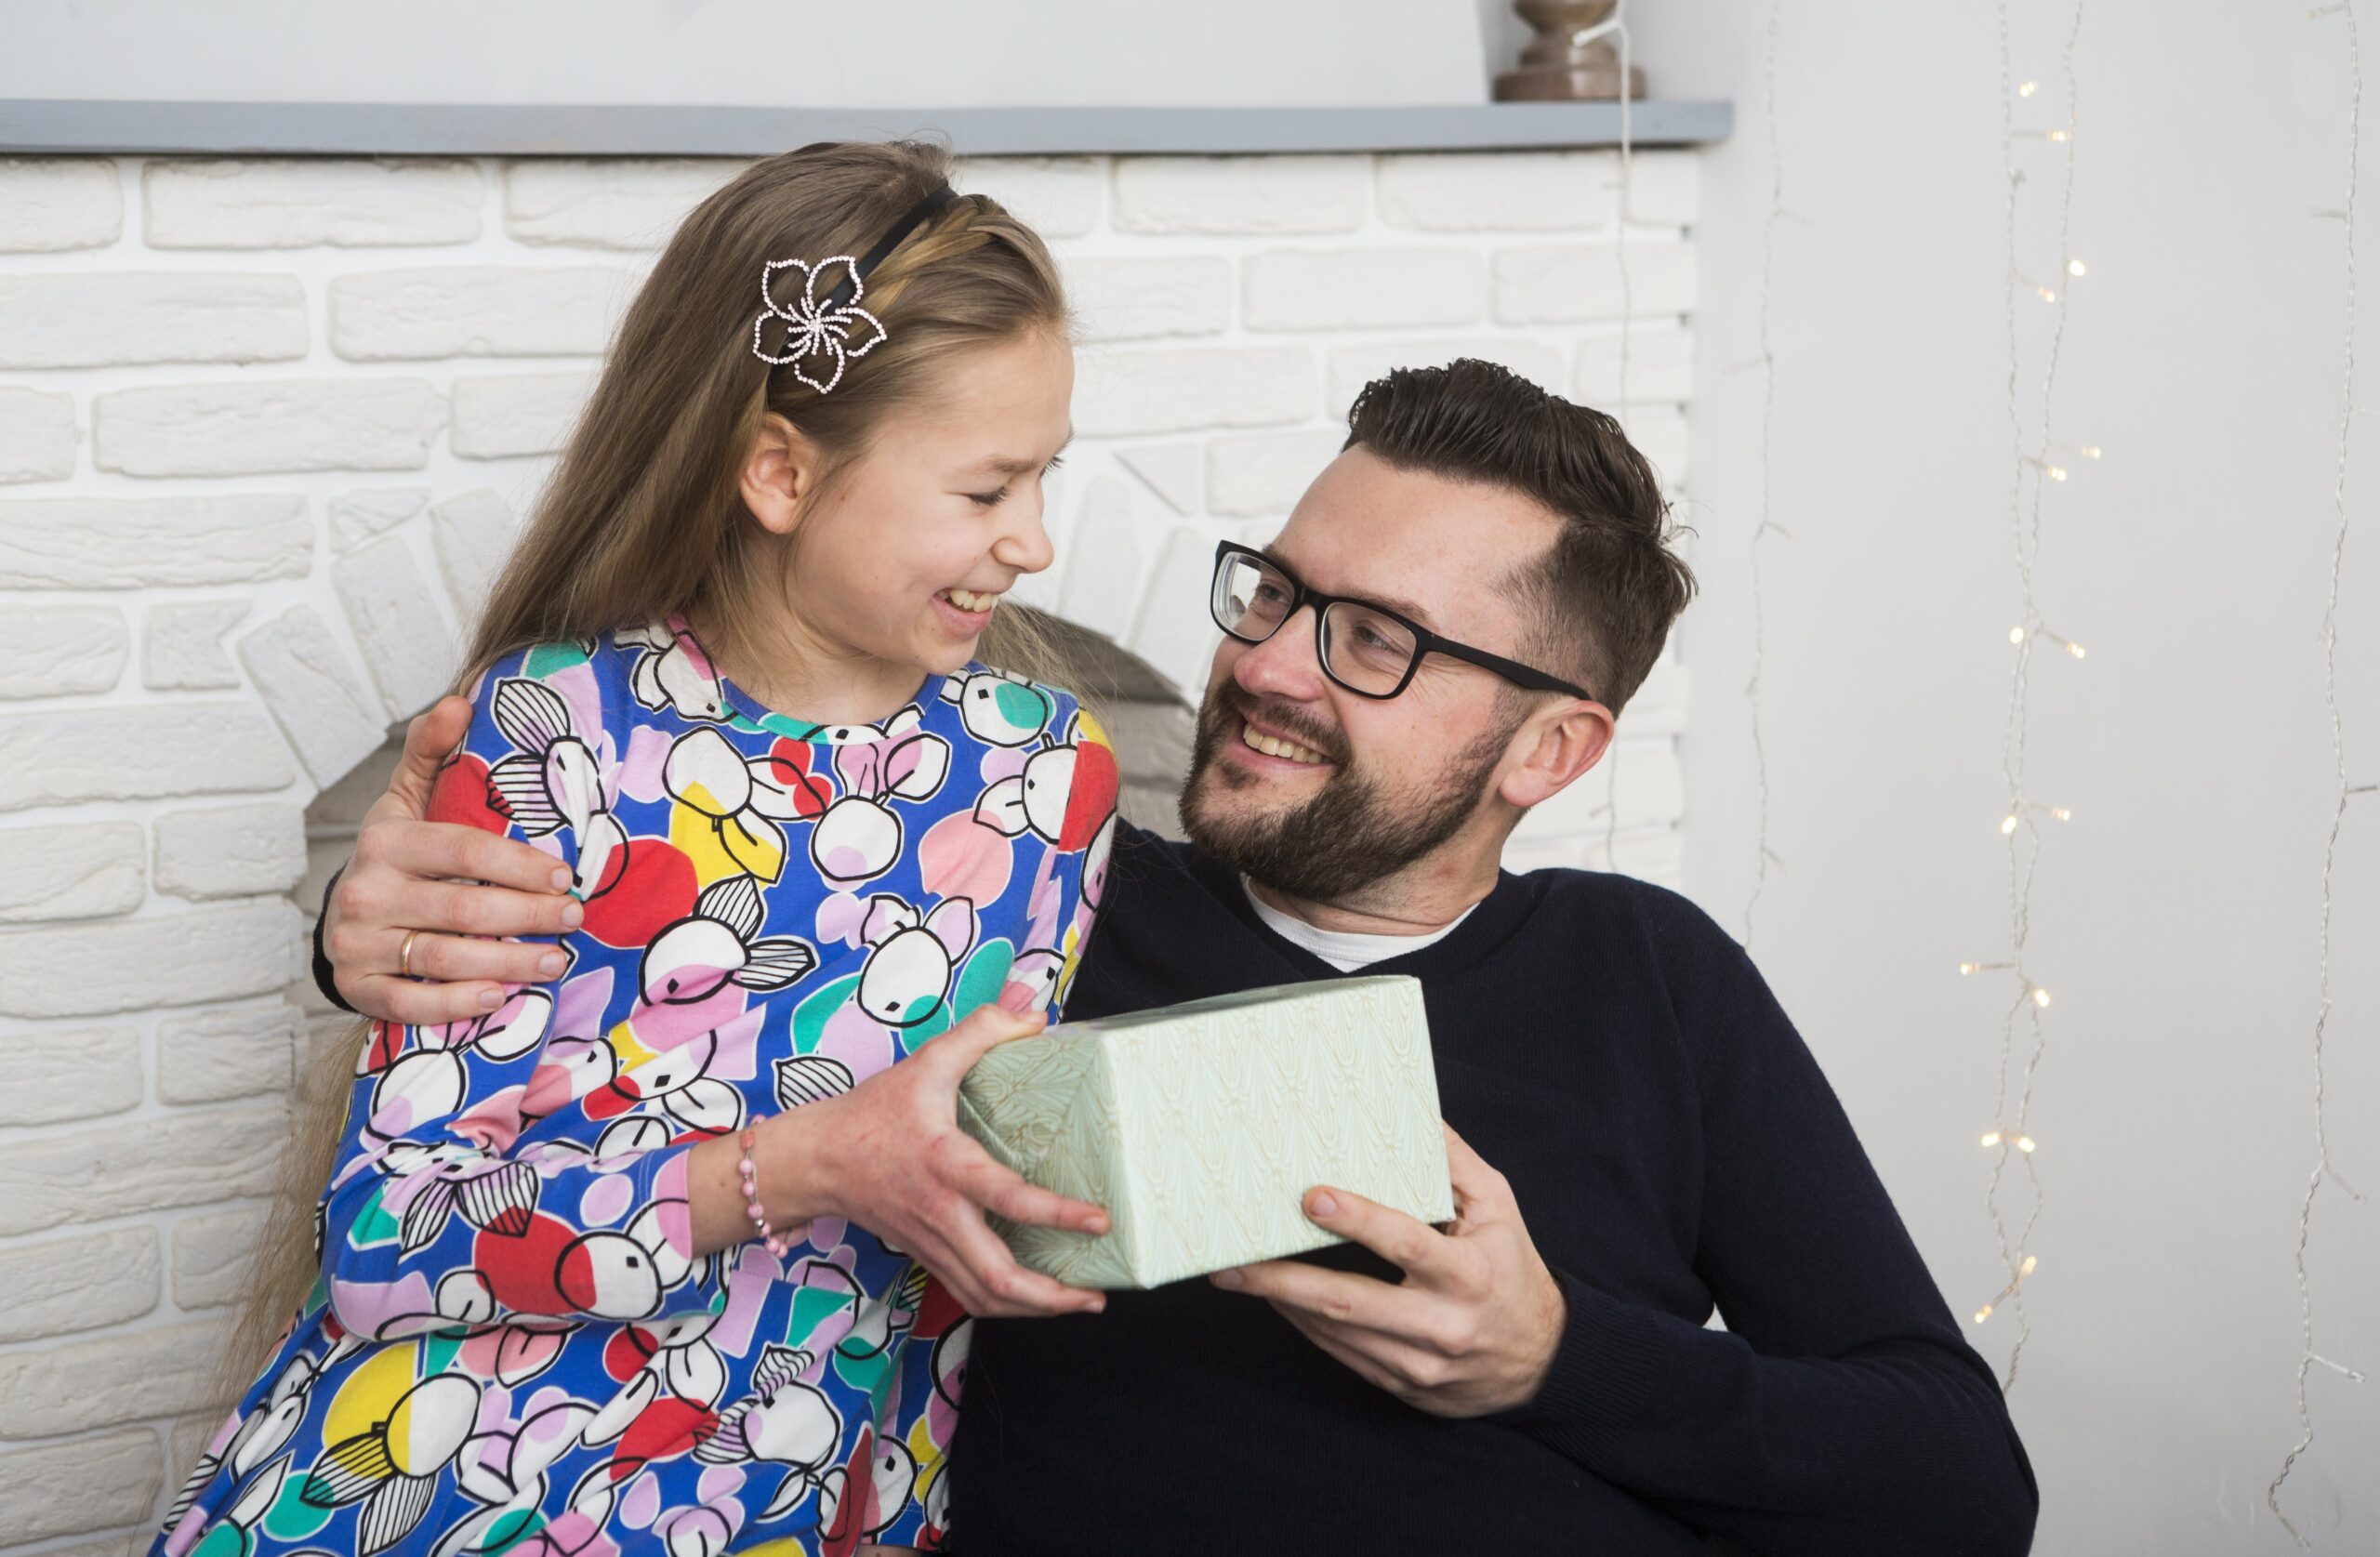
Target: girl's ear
{"type": "Point", "coordinates": [781, 474]}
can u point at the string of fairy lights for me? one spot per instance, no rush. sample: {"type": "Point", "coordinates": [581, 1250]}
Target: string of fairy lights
{"type": "Point", "coordinates": [2324, 1171]}
{"type": "Point", "coordinates": [2036, 465]}
{"type": "Point", "coordinates": [1618, 22]}
{"type": "Point", "coordinates": [1763, 855]}
{"type": "Point", "coordinates": [1615, 26]}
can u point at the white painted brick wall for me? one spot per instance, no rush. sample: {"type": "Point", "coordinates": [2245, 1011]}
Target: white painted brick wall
{"type": "Point", "coordinates": [270, 421]}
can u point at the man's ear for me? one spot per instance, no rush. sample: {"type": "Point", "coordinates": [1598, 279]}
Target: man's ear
{"type": "Point", "coordinates": [781, 474]}
{"type": "Point", "coordinates": [1554, 747]}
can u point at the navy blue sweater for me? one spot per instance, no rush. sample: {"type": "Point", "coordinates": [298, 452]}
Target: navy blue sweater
{"type": "Point", "coordinates": [1672, 1146]}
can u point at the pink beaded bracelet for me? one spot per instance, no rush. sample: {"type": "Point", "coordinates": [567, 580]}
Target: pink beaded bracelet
{"type": "Point", "coordinates": [777, 1243]}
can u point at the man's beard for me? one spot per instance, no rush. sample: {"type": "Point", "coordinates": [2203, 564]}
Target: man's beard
{"type": "Point", "coordinates": [1346, 836]}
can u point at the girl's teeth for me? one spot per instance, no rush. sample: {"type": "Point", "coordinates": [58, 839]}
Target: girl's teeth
{"type": "Point", "coordinates": [1255, 739]}
{"type": "Point", "coordinates": [967, 600]}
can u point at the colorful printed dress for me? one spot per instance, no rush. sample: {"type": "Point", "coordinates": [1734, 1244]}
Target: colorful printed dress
{"type": "Point", "coordinates": [511, 1347]}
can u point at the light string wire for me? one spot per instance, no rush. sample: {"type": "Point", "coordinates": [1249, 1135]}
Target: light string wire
{"type": "Point", "coordinates": [1764, 856]}
{"type": "Point", "coordinates": [2011, 1134]}
{"type": "Point", "coordinates": [1618, 23]}
{"type": "Point", "coordinates": [2323, 1169]}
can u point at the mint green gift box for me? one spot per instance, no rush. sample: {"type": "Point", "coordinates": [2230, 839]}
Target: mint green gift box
{"type": "Point", "coordinates": [1200, 1126]}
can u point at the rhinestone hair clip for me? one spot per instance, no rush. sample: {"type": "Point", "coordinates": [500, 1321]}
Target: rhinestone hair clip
{"type": "Point", "coordinates": [825, 320]}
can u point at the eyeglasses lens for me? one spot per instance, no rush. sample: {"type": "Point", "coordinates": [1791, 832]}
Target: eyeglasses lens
{"type": "Point", "coordinates": [1365, 649]}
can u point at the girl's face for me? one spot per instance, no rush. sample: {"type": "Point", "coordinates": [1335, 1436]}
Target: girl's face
{"type": "Point", "coordinates": [896, 567]}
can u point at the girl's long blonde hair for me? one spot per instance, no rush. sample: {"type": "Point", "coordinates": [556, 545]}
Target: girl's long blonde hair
{"type": "Point", "coordinates": [642, 517]}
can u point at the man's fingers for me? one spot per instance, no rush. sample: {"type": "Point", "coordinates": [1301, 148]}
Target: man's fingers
{"type": "Point", "coordinates": [429, 739]}
{"type": "Point", "coordinates": [1413, 1246]}
{"type": "Point", "coordinates": [1336, 1295]}
{"type": "Point", "coordinates": [466, 908]}
{"type": "Point", "coordinates": [460, 958]}
{"type": "Point", "coordinates": [1473, 1177]}
{"type": "Point", "coordinates": [999, 1189]}
{"type": "Point", "coordinates": [442, 850]}
{"type": "Point", "coordinates": [419, 1005]}
{"type": "Point", "coordinates": [1352, 1349]}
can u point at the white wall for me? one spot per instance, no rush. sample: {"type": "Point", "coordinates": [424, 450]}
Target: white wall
{"type": "Point", "coordinates": [2175, 917]}
{"type": "Point", "coordinates": [811, 53]}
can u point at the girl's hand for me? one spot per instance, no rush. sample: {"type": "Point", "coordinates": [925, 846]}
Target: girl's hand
{"type": "Point", "coordinates": [889, 1154]}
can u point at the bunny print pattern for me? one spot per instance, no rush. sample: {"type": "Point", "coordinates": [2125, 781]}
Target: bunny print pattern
{"type": "Point", "coordinates": [511, 1347]}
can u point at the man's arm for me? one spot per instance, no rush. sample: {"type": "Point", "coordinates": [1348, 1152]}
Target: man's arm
{"type": "Point", "coordinates": [1841, 1411]}
{"type": "Point", "coordinates": [1842, 1414]}
{"type": "Point", "coordinates": [413, 873]}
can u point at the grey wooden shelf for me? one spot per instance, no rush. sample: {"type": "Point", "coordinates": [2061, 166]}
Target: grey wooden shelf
{"type": "Point", "coordinates": [30, 125]}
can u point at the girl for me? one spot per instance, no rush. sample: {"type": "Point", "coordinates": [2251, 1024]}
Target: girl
{"type": "Point", "coordinates": [667, 1254]}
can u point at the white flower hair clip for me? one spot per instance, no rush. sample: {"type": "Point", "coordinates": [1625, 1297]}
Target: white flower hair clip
{"type": "Point", "coordinates": [827, 320]}
{"type": "Point", "coordinates": [816, 326]}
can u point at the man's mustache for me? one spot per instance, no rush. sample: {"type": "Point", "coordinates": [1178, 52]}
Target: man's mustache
{"type": "Point", "coordinates": [1282, 718]}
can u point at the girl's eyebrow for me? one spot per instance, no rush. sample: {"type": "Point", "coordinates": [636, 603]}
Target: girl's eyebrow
{"type": "Point", "coordinates": [1002, 467]}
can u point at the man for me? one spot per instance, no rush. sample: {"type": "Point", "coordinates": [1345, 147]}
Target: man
{"type": "Point", "coordinates": [1440, 639]}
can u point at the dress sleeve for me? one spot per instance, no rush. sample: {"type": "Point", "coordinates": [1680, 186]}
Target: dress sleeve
{"type": "Point", "coordinates": [1067, 849]}
{"type": "Point", "coordinates": [1841, 1412]}
{"type": "Point", "coordinates": [436, 1214]}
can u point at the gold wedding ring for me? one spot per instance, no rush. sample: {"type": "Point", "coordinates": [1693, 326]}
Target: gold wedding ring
{"type": "Point", "coordinates": [405, 955]}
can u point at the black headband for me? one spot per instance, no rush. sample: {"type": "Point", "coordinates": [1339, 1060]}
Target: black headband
{"type": "Point", "coordinates": [916, 217]}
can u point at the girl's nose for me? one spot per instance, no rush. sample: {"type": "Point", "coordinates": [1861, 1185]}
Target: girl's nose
{"type": "Point", "coordinates": [1025, 545]}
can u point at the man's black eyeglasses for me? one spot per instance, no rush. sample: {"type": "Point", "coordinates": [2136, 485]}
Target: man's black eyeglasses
{"type": "Point", "coordinates": [1368, 649]}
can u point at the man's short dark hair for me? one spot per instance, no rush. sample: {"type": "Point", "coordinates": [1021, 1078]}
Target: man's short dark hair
{"type": "Point", "coordinates": [1599, 602]}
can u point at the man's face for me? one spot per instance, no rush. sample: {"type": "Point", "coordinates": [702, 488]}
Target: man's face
{"type": "Point", "coordinates": [1314, 790]}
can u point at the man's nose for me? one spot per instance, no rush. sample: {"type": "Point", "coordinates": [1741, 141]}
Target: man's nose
{"type": "Point", "coordinates": [1284, 665]}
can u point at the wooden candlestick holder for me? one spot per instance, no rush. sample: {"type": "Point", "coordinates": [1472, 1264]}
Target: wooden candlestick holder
{"type": "Point", "coordinates": [1558, 66]}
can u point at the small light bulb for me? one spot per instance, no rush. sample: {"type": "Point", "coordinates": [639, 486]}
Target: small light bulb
{"type": "Point", "coordinates": [2045, 294]}
{"type": "Point", "coordinates": [2059, 137]}
{"type": "Point", "coordinates": [1970, 967]}
{"type": "Point", "coordinates": [2016, 634]}
{"type": "Point", "coordinates": [1983, 1313]}
{"type": "Point", "coordinates": [2089, 451]}
{"type": "Point", "coordinates": [2057, 472]}
{"type": "Point", "coordinates": [2041, 996]}
{"type": "Point", "coordinates": [2024, 1143]}
{"type": "Point", "coordinates": [2007, 824]}
{"type": "Point", "coordinates": [2075, 649]}
{"type": "Point", "coordinates": [2027, 1268]}
{"type": "Point", "coordinates": [2075, 267]}
{"type": "Point", "coordinates": [2061, 813]}
{"type": "Point", "coordinates": [2029, 89]}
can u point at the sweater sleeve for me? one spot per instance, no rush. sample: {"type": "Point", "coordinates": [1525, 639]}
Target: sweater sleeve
{"type": "Point", "coordinates": [1841, 1412]}
{"type": "Point", "coordinates": [326, 977]}
{"type": "Point", "coordinates": [437, 1213]}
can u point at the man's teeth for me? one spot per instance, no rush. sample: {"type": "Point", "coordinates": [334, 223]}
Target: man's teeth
{"type": "Point", "coordinates": [967, 600]}
{"type": "Point", "coordinates": [1258, 741]}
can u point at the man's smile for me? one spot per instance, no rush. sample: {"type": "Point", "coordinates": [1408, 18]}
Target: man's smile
{"type": "Point", "coordinates": [1280, 746]}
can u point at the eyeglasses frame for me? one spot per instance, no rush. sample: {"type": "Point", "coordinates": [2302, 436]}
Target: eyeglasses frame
{"type": "Point", "coordinates": [1425, 641]}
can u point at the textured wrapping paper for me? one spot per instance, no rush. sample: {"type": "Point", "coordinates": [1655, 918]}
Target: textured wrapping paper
{"type": "Point", "coordinates": [1200, 1126]}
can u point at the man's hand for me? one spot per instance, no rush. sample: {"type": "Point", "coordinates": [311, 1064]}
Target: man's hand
{"type": "Point", "coordinates": [412, 876]}
{"type": "Point", "coordinates": [1473, 1328]}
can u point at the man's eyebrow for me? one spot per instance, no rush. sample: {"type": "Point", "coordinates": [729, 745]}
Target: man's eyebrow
{"type": "Point", "coordinates": [1000, 467]}
{"type": "Point", "coordinates": [1402, 607]}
